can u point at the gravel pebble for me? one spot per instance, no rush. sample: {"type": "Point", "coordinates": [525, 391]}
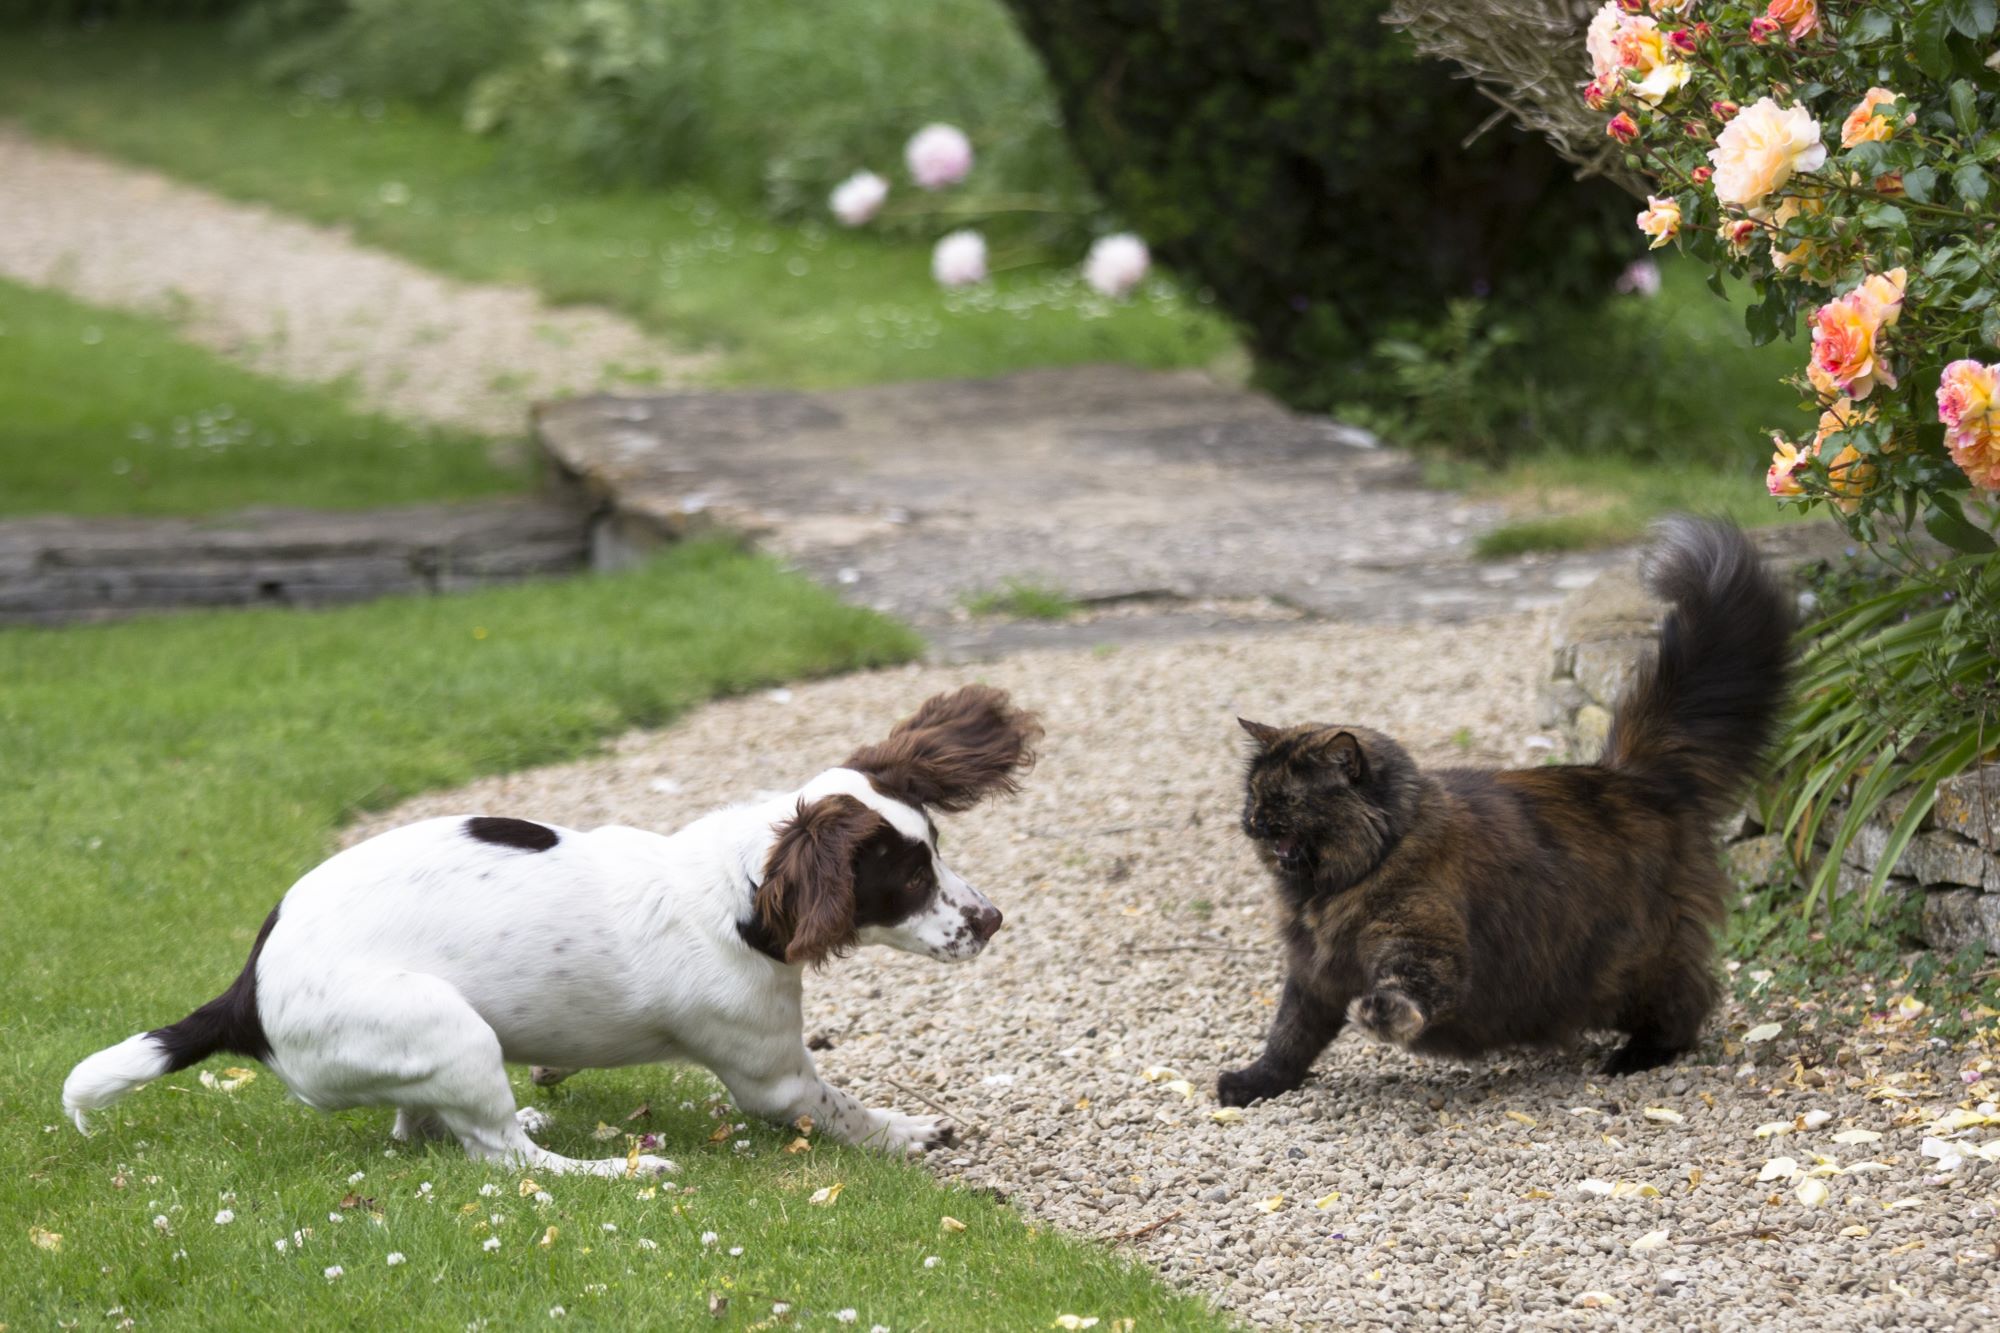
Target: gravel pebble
{"type": "Point", "coordinates": [1390, 1189]}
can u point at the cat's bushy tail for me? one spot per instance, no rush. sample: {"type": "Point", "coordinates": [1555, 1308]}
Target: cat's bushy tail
{"type": "Point", "coordinates": [1699, 714]}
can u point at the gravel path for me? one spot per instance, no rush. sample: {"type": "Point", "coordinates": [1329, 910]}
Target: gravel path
{"type": "Point", "coordinates": [301, 301]}
{"type": "Point", "coordinates": [1389, 1190]}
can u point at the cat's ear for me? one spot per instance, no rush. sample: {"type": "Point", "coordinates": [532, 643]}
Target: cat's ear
{"type": "Point", "coordinates": [1259, 733]}
{"type": "Point", "coordinates": [1342, 750]}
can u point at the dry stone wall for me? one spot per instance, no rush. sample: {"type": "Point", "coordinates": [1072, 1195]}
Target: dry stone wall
{"type": "Point", "coordinates": [1600, 635]}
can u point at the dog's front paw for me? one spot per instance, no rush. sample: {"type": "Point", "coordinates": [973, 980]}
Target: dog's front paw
{"type": "Point", "coordinates": [911, 1135]}
{"type": "Point", "coordinates": [1388, 1015]}
{"type": "Point", "coordinates": [1252, 1083]}
{"type": "Point", "coordinates": [533, 1120]}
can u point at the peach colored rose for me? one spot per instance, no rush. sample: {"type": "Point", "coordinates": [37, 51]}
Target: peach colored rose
{"type": "Point", "coordinates": [1781, 478]}
{"type": "Point", "coordinates": [1630, 50]}
{"type": "Point", "coordinates": [1760, 149]}
{"type": "Point", "coordinates": [1763, 29]}
{"type": "Point", "coordinates": [1846, 335]}
{"type": "Point", "coordinates": [1737, 234]}
{"type": "Point", "coordinates": [1800, 18]}
{"type": "Point", "coordinates": [1601, 41]}
{"type": "Point", "coordinates": [1849, 473]}
{"type": "Point", "coordinates": [1661, 220]}
{"type": "Point", "coordinates": [1622, 128]}
{"type": "Point", "coordinates": [1863, 125]}
{"type": "Point", "coordinates": [1968, 401]}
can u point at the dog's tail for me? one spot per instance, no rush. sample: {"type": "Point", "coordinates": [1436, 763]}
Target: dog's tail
{"type": "Point", "coordinates": [1699, 713]}
{"type": "Point", "coordinates": [229, 1022]}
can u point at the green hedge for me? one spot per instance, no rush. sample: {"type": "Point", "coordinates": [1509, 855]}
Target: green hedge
{"type": "Point", "coordinates": [1301, 161]}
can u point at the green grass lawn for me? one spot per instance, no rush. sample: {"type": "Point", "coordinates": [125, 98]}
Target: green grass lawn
{"type": "Point", "coordinates": [109, 413]}
{"type": "Point", "coordinates": [165, 780]}
{"type": "Point", "coordinates": [809, 306]}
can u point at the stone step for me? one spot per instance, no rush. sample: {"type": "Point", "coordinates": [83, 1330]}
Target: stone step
{"type": "Point", "coordinates": [56, 570]}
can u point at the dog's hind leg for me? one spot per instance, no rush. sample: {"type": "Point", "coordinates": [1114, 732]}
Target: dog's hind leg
{"type": "Point", "coordinates": [413, 1041]}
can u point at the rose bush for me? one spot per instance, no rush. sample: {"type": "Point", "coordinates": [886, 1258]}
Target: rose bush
{"type": "Point", "coordinates": [1839, 157]}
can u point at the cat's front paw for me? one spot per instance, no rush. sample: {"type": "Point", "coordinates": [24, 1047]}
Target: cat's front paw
{"type": "Point", "coordinates": [1252, 1083]}
{"type": "Point", "coordinates": [1387, 1014]}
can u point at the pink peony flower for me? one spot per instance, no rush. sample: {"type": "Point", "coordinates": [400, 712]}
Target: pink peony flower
{"type": "Point", "coordinates": [938, 155]}
{"type": "Point", "coordinates": [1968, 401]}
{"type": "Point", "coordinates": [959, 259]}
{"type": "Point", "coordinates": [1116, 264]}
{"type": "Point", "coordinates": [858, 198]}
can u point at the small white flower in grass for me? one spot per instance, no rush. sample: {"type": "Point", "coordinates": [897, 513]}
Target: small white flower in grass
{"type": "Point", "coordinates": [645, 1244]}
{"type": "Point", "coordinates": [959, 259]}
{"type": "Point", "coordinates": [736, 1251]}
{"type": "Point", "coordinates": [611, 1226]}
{"type": "Point", "coordinates": [224, 1218]}
{"type": "Point", "coordinates": [280, 1244]}
{"type": "Point", "coordinates": [847, 1316]}
{"type": "Point", "coordinates": [335, 1273]}
{"type": "Point", "coordinates": [931, 1261]}
{"type": "Point", "coordinates": [1117, 264]}
{"type": "Point", "coordinates": [878, 1328]}
{"type": "Point", "coordinates": [424, 1188]}
{"type": "Point", "coordinates": [938, 155]}
{"type": "Point", "coordinates": [858, 198]}
{"type": "Point", "coordinates": [543, 1196]}
{"type": "Point", "coordinates": [708, 1238]}
{"type": "Point", "coordinates": [781, 1307]}
{"type": "Point", "coordinates": [336, 1217]}
{"type": "Point", "coordinates": [557, 1312]}
{"type": "Point", "coordinates": [357, 1177]}
{"type": "Point", "coordinates": [488, 1190]}
{"type": "Point", "coordinates": [395, 1258]}
{"type": "Point", "coordinates": [492, 1243]}
{"type": "Point", "coordinates": [160, 1222]}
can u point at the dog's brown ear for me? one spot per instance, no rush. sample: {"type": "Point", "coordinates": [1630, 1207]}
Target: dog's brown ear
{"type": "Point", "coordinates": [1259, 733]}
{"type": "Point", "coordinates": [953, 752]}
{"type": "Point", "coordinates": [807, 898]}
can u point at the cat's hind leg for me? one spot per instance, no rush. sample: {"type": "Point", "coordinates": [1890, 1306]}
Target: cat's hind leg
{"type": "Point", "coordinates": [1663, 1015]}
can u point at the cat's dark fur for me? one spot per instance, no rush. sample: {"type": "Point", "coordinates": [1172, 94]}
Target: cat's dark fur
{"type": "Point", "coordinates": [1460, 910]}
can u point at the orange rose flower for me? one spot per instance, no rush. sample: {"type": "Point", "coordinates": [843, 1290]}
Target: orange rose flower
{"type": "Point", "coordinates": [1846, 335]}
{"type": "Point", "coordinates": [1863, 125]}
{"type": "Point", "coordinates": [1800, 18]}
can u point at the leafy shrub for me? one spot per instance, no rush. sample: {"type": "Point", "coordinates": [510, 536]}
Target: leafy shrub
{"type": "Point", "coordinates": [1300, 160]}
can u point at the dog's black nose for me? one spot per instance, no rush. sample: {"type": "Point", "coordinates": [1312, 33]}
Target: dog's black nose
{"type": "Point", "coordinates": [986, 923]}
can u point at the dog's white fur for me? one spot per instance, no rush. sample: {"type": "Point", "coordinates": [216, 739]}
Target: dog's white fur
{"type": "Point", "coordinates": [406, 970]}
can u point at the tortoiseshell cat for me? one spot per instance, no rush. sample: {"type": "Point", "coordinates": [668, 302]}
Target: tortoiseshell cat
{"type": "Point", "coordinates": [1459, 910]}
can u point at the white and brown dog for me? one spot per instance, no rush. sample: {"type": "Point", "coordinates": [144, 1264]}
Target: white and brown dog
{"type": "Point", "coordinates": [407, 970]}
